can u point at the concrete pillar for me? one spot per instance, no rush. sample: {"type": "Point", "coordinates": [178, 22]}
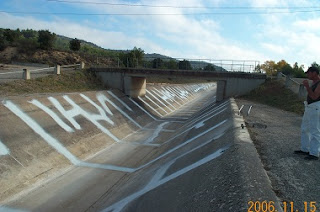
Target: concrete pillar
{"type": "Point", "coordinates": [26, 74]}
{"type": "Point", "coordinates": [135, 86]}
{"type": "Point", "coordinates": [82, 65]}
{"type": "Point", "coordinates": [221, 87]}
{"type": "Point", "coordinates": [57, 69]}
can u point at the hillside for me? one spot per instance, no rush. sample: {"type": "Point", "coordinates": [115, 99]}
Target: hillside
{"type": "Point", "coordinates": [51, 58]}
{"type": "Point", "coordinates": [44, 47]}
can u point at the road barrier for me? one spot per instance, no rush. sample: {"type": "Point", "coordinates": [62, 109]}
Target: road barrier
{"type": "Point", "coordinates": [36, 73]}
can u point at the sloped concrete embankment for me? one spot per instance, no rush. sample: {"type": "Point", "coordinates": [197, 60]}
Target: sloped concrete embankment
{"type": "Point", "coordinates": [42, 135]}
{"type": "Point", "coordinates": [173, 150]}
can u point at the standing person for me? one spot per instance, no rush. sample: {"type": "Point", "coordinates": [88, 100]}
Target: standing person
{"type": "Point", "coordinates": [310, 127]}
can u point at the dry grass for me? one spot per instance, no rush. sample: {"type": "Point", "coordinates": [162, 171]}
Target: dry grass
{"type": "Point", "coordinates": [274, 93]}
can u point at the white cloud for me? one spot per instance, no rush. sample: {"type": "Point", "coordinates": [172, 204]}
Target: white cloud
{"type": "Point", "coordinates": [276, 36]}
{"type": "Point", "coordinates": [308, 25]}
{"type": "Point", "coordinates": [276, 49]}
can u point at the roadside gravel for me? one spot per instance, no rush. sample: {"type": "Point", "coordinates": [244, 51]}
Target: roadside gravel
{"type": "Point", "coordinates": [276, 134]}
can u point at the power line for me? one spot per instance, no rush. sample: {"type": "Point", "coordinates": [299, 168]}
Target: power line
{"type": "Point", "coordinates": [158, 14]}
{"type": "Point", "coordinates": [183, 7]}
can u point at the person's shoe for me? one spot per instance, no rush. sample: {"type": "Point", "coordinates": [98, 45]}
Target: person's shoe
{"type": "Point", "coordinates": [311, 157]}
{"type": "Point", "coordinates": [299, 152]}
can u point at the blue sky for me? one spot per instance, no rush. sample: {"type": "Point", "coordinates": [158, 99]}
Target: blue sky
{"type": "Point", "coordinates": [195, 29]}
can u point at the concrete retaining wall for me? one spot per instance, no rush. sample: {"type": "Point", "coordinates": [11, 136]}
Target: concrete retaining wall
{"type": "Point", "coordinates": [239, 86]}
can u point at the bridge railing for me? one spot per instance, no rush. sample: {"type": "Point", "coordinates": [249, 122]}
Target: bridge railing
{"type": "Point", "coordinates": [249, 66]}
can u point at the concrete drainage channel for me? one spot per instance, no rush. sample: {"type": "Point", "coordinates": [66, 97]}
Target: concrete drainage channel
{"type": "Point", "coordinates": [175, 149]}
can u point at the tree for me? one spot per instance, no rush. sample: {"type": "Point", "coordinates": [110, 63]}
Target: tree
{"type": "Point", "coordinates": [185, 65]}
{"type": "Point", "coordinates": [75, 44]}
{"type": "Point", "coordinates": [11, 36]}
{"type": "Point", "coordinates": [172, 64]}
{"type": "Point", "coordinates": [257, 68]}
{"type": "Point", "coordinates": [281, 65]}
{"type": "Point", "coordinates": [29, 33]}
{"type": "Point", "coordinates": [269, 67]}
{"type": "Point", "coordinates": [157, 63]}
{"type": "Point", "coordinates": [209, 67]}
{"type": "Point", "coordinates": [46, 39]}
{"type": "Point", "coordinates": [28, 46]}
{"type": "Point", "coordinates": [298, 71]}
{"type": "Point", "coordinates": [287, 69]}
{"type": "Point", "coordinates": [3, 42]}
{"type": "Point", "coordinates": [133, 58]}
{"type": "Point", "coordinates": [314, 64]}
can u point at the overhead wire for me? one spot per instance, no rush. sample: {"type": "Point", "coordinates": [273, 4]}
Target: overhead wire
{"type": "Point", "coordinates": [158, 14]}
{"type": "Point", "coordinates": [183, 7]}
{"type": "Point", "coordinates": [220, 10]}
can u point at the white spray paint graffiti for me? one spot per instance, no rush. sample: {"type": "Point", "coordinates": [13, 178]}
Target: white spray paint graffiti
{"type": "Point", "coordinates": [149, 93]}
{"type": "Point", "coordinates": [124, 104]}
{"type": "Point", "coordinates": [40, 131]}
{"type": "Point", "coordinates": [172, 96]}
{"type": "Point", "coordinates": [53, 115]}
{"type": "Point", "coordinates": [159, 177]}
{"type": "Point", "coordinates": [3, 149]}
{"type": "Point", "coordinates": [150, 106]}
{"type": "Point", "coordinates": [53, 142]}
{"type": "Point", "coordinates": [165, 99]}
{"type": "Point", "coordinates": [165, 94]}
{"type": "Point", "coordinates": [182, 144]}
{"type": "Point", "coordinates": [144, 110]}
{"type": "Point", "coordinates": [159, 180]}
{"type": "Point", "coordinates": [156, 132]}
{"type": "Point", "coordinates": [94, 118]}
{"type": "Point", "coordinates": [102, 98]}
{"type": "Point", "coordinates": [158, 106]}
{"type": "Point", "coordinates": [6, 209]}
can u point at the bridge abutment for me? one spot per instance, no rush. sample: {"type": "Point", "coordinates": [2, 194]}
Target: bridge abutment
{"type": "Point", "coordinates": [132, 86]}
{"type": "Point", "coordinates": [135, 86]}
{"type": "Point", "coordinates": [221, 86]}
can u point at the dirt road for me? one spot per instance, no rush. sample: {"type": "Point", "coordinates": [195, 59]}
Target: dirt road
{"type": "Point", "coordinates": [276, 134]}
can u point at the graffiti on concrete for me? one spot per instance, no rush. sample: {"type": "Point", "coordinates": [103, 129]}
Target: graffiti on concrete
{"type": "Point", "coordinates": [3, 149]}
{"type": "Point", "coordinates": [161, 176]}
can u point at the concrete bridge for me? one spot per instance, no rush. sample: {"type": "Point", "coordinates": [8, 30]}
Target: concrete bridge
{"type": "Point", "coordinates": [132, 81]}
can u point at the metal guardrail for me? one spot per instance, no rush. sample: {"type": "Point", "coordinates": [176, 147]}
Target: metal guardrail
{"type": "Point", "coordinates": [12, 72]}
{"type": "Point", "coordinates": [36, 73]}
